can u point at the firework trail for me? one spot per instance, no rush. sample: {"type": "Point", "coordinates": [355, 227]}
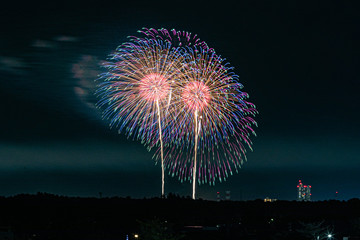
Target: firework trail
{"type": "Point", "coordinates": [135, 89]}
{"type": "Point", "coordinates": [213, 120]}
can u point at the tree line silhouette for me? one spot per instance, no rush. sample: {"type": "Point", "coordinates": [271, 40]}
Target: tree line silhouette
{"type": "Point", "coordinates": [48, 216]}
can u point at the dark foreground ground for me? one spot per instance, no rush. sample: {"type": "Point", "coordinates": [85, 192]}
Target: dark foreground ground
{"type": "Point", "coordinates": [45, 216]}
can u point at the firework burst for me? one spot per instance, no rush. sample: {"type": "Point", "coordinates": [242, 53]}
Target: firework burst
{"type": "Point", "coordinates": [212, 120]}
{"type": "Point", "coordinates": [137, 86]}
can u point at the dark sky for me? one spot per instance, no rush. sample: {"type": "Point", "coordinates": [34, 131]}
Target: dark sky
{"type": "Point", "coordinates": [298, 60]}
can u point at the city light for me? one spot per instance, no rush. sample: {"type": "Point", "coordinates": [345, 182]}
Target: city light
{"type": "Point", "coordinates": [330, 236]}
{"type": "Point", "coordinates": [304, 192]}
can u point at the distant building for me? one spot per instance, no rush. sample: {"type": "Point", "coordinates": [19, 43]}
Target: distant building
{"type": "Point", "coordinates": [304, 192]}
{"type": "Point", "coordinates": [227, 196]}
{"type": "Point", "coordinates": [307, 193]}
{"type": "Point", "coordinates": [267, 199]}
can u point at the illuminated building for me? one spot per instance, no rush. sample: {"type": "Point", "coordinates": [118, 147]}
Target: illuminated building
{"type": "Point", "coordinates": [304, 192]}
{"type": "Point", "coordinates": [267, 199]}
{"type": "Point", "coordinates": [227, 196]}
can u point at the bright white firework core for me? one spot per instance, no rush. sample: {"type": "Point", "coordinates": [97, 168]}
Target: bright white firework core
{"type": "Point", "coordinates": [196, 95]}
{"type": "Point", "coordinates": [154, 87]}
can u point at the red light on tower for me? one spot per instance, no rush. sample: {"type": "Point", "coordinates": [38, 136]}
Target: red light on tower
{"type": "Point", "coordinates": [309, 186]}
{"type": "Point", "coordinates": [305, 186]}
{"type": "Point", "coordinates": [218, 198]}
{"type": "Point", "coordinates": [297, 185]}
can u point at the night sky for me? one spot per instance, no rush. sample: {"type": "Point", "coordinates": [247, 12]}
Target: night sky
{"type": "Point", "coordinates": [298, 60]}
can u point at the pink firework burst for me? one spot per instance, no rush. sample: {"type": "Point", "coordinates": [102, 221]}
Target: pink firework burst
{"type": "Point", "coordinates": [212, 120]}
{"type": "Point", "coordinates": [135, 91]}
{"type": "Point", "coordinates": [196, 95]}
{"type": "Point", "coordinates": [154, 87]}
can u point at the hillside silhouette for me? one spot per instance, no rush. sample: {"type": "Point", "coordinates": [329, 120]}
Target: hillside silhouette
{"type": "Point", "coordinates": [47, 216]}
